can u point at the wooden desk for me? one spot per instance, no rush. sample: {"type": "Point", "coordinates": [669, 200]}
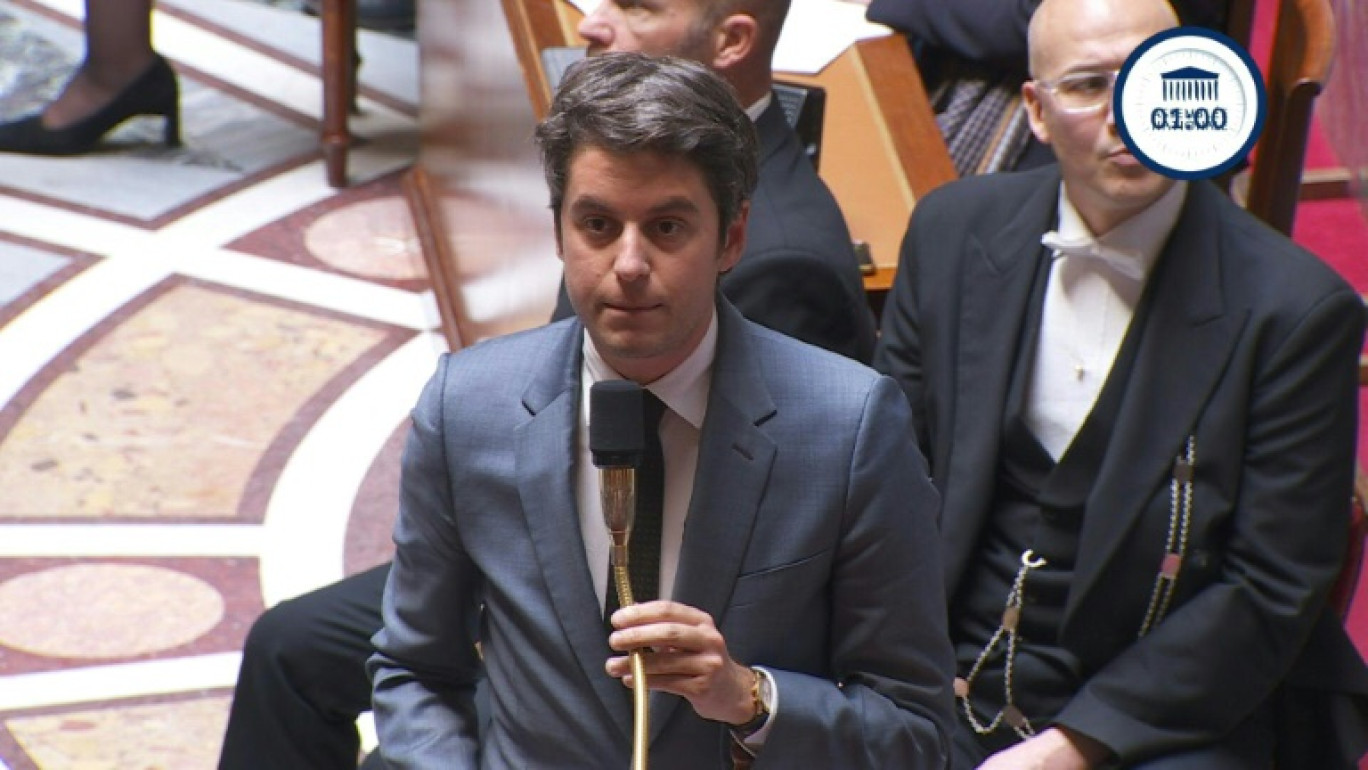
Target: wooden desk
{"type": "Point", "coordinates": [881, 149]}
{"type": "Point", "coordinates": [476, 191]}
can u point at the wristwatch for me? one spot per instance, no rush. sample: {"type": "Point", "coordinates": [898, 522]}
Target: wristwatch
{"type": "Point", "coordinates": [762, 697]}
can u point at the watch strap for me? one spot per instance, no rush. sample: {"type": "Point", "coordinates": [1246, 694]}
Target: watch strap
{"type": "Point", "coordinates": [761, 708]}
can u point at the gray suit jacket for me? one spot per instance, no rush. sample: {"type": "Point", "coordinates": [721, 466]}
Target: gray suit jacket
{"type": "Point", "coordinates": [810, 539]}
{"type": "Point", "coordinates": [1251, 347]}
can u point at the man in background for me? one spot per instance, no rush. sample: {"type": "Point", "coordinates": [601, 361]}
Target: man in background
{"type": "Point", "coordinates": [972, 57]}
{"type": "Point", "coordinates": [1138, 403]}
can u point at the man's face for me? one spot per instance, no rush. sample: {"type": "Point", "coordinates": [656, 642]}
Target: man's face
{"type": "Point", "coordinates": [639, 235]}
{"type": "Point", "coordinates": [653, 27]}
{"type": "Point", "coordinates": [1106, 183]}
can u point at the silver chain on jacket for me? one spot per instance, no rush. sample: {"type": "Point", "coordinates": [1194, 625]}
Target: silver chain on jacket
{"type": "Point", "coordinates": [1165, 582]}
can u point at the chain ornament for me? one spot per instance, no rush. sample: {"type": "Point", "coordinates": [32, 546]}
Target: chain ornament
{"type": "Point", "coordinates": [1011, 619]}
{"type": "Point", "coordinates": [1175, 545]}
{"type": "Point", "coordinates": [1165, 583]}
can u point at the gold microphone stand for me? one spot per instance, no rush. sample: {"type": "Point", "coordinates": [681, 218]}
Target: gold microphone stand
{"type": "Point", "coordinates": [618, 491]}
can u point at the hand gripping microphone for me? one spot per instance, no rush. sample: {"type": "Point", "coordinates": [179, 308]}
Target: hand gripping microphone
{"type": "Point", "coordinates": [617, 445]}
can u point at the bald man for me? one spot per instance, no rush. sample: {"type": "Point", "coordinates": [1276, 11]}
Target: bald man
{"type": "Point", "coordinates": [1145, 459]}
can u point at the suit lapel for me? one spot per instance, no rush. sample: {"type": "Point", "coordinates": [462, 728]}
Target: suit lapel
{"type": "Point", "coordinates": [1188, 339]}
{"type": "Point", "coordinates": [995, 288]}
{"type": "Point", "coordinates": [545, 468]}
{"type": "Point", "coordinates": [734, 461]}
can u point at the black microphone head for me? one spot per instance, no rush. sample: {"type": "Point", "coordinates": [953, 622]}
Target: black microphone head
{"type": "Point", "coordinates": [615, 433]}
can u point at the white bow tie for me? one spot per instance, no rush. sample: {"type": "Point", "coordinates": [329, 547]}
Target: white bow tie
{"type": "Point", "coordinates": [1126, 264]}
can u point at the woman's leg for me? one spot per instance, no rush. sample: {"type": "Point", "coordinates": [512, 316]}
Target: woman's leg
{"type": "Point", "coordinates": [118, 49]}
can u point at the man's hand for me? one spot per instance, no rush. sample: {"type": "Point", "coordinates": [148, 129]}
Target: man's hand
{"type": "Point", "coordinates": [1053, 749]}
{"type": "Point", "coordinates": [686, 655]}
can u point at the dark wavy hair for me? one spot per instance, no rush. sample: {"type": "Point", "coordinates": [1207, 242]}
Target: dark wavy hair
{"type": "Point", "coordinates": [629, 102]}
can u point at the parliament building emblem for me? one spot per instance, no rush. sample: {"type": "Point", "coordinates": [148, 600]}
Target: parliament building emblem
{"type": "Point", "coordinates": [1189, 103]}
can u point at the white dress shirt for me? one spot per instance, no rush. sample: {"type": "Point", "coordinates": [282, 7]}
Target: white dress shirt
{"type": "Point", "coordinates": [684, 390]}
{"type": "Point", "coordinates": [758, 108]}
{"type": "Point", "coordinates": [1094, 285]}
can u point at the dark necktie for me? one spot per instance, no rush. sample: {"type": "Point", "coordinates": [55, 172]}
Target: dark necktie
{"type": "Point", "coordinates": [643, 552]}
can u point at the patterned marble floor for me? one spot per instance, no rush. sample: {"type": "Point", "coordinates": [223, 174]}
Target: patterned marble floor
{"type": "Point", "coordinates": [208, 359]}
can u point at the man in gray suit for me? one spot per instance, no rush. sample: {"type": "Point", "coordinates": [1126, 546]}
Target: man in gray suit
{"type": "Point", "coordinates": [302, 682]}
{"type": "Point", "coordinates": [802, 619]}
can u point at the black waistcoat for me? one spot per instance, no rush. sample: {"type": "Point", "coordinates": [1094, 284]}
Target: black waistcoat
{"type": "Point", "coordinates": [1039, 505]}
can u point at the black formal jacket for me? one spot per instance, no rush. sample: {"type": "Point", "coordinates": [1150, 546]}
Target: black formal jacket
{"type": "Point", "coordinates": [1251, 347]}
{"type": "Point", "coordinates": [798, 274]}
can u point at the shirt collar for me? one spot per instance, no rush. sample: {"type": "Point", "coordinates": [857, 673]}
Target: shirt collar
{"type": "Point", "coordinates": [683, 389]}
{"type": "Point", "coordinates": [756, 110]}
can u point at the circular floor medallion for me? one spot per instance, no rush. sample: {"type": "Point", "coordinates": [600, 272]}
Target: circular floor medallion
{"type": "Point", "coordinates": [105, 610]}
{"type": "Point", "coordinates": [373, 238]}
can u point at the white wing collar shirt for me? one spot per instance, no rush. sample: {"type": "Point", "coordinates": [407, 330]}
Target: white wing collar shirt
{"type": "Point", "coordinates": [1094, 285]}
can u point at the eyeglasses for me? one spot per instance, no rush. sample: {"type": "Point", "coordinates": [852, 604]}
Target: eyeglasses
{"type": "Point", "coordinates": [1081, 91]}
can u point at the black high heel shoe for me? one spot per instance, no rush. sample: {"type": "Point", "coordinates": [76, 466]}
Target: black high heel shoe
{"type": "Point", "coordinates": [155, 92]}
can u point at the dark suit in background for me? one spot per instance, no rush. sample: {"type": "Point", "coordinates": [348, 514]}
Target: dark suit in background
{"type": "Point", "coordinates": [809, 540]}
{"type": "Point", "coordinates": [1250, 346]}
{"type": "Point", "coordinates": [798, 274]}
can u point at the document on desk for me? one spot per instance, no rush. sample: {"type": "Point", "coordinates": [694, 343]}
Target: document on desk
{"type": "Point", "coordinates": [815, 33]}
